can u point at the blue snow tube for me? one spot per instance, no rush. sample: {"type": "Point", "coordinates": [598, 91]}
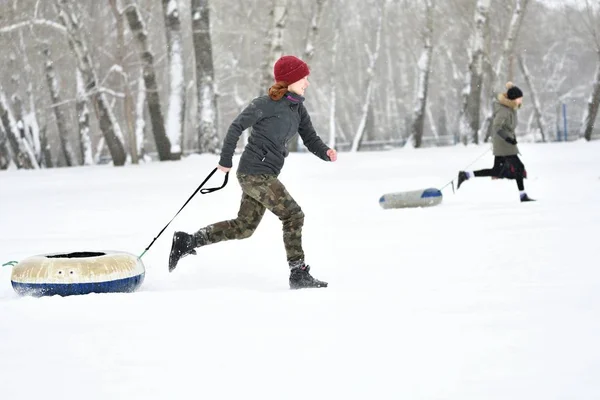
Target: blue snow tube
{"type": "Point", "coordinates": [414, 198]}
{"type": "Point", "coordinates": [67, 274]}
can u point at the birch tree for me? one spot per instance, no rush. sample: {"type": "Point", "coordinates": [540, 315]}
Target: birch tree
{"type": "Point", "coordinates": [309, 52]}
{"type": "Point", "coordinates": [24, 127]}
{"type": "Point", "coordinates": [313, 31]}
{"type": "Point", "coordinates": [537, 109]}
{"type": "Point", "coordinates": [57, 107]}
{"type": "Point", "coordinates": [5, 155]}
{"type": "Point", "coordinates": [333, 87]}
{"type": "Point", "coordinates": [591, 20]}
{"type": "Point", "coordinates": [21, 71]}
{"type": "Point", "coordinates": [273, 43]}
{"type": "Point", "coordinates": [46, 149]}
{"type": "Point", "coordinates": [424, 66]}
{"type": "Point", "coordinates": [140, 122]}
{"type": "Point", "coordinates": [591, 112]}
{"type": "Point", "coordinates": [373, 57]}
{"type": "Point", "coordinates": [22, 154]}
{"type": "Point", "coordinates": [120, 68]}
{"type": "Point", "coordinates": [83, 123]}
{"type": "Point", "coordinates": [106, 119]}
{"type": "Point", "coordinates": [501, 72]}
{"type": "Point", "coordinates": [29, 112]}
{"type": "Point", "coordinates": [175, 112]}
{"type": "Point", "coordinates": [138, 29]}
{"type": "Point", "coordinates": [469, 117]}
{"type": "Point", "coordinates": [208, 140]}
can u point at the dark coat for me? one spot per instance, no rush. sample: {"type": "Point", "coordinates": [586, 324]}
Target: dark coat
{"type": "Point", "coordinates": [273, 123]}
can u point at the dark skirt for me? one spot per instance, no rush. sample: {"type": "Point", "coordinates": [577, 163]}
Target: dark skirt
{"type": "Point", "coordinates": [509, 167]}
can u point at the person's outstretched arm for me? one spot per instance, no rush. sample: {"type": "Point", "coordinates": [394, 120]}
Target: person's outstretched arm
{"type": "Point", "coordinates": [311, 140]}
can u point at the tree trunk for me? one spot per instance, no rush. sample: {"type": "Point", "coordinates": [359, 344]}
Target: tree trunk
{"type": "Point", "coordinates": [424, 66]}
{"type": "Point", "coordinates": [30, 116]}
{"type": "Point", "coordinates": [332, 87]}
{"type": "Point", "coordinates": [432, 122]}
{"type": "Point", "coordinates": [537, 109]}
{"type": "Point", "coordinates": [138, 29]}
{"type": "Point", "coordinates": [273, 43]}
{"type": "Point", "coordinates": [469, 118]}
{"type": "Point", "coordinates": [22, 154]}
{"type": "Point", "coordinates": [5, 156]}
{"type": "Point", "coordinates": [499, 71]}
{"type": "Point", "coordinates": [128, 102]}
{"type": "Point", "coordinates": [307, 55]}
{"type": "Point", "coordinates": [313, 31]}
{"type": "Point", "coordinates": [106, 119]}
{"type": "Point", "coordinates": [57, 107]}
{"type": "Point", "coordinates": [373, 57]}
{"type": "Point", "coordinates": [589, 117]}
{"type": "Point", "coordinates": [46, 151]}
{"type": "Point", "coordinates": [176, 104]}
{"type": "Point", "coordinates": [140, 122]}
{"type": "Point", "coordinates": [83, 123]}
{"type": "Point", "coordinates": [208, 139]}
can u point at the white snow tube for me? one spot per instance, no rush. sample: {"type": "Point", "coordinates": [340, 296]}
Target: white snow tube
{"type": "Point", "coordinates": [415, 198]}
{"type": "Point", "coordinates": [78, 273]}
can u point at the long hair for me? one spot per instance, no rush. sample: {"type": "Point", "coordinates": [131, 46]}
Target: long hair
{"type": "Point", "coordinates": [277, 91]}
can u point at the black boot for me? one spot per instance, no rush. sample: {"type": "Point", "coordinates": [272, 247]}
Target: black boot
{"type": "Point", "coordinates": [525, 198]}
{"type": "Point", "coordinates": [462, 176]}
{"type": "Point", "coordinates": [183, 244]}
{"type": "Point", "coordinates": [301, 279]}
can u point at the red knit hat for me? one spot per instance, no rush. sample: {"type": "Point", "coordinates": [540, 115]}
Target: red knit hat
{"type": "Point", "coordinates": [290, 69]}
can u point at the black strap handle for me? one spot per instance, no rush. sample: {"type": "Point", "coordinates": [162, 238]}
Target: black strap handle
{"type": "Point", "coordinates": [199, 189]}
{"type": "Point", "coordinates": [210, 190]}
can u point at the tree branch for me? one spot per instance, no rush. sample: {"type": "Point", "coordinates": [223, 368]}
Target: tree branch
{"type": "Point", "coordinates": [32, 22]}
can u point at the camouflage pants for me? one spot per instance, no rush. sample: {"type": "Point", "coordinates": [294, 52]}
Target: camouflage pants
{"type": "Point", "coordinates": [261, 192]}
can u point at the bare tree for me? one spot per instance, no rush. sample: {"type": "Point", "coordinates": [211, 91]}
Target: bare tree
{"type": "Point", "coordinates": [333, 87]}
{"type": "Point", "coordinates": [313, 31]}
{"type": "Point", "coordinates": [273, 43]}
{"type": "Point", "coordinates": [469, 118]}
{"type": "Point", "coordinates": [22, 154]}
{"type": "Point", "coordinates": [57, 106]}
{"type": "Point", "coordinates": [589, 117]}
{"type": "Point", "coordinates": [121, 69]}
{"type": "Point", "coordinates": [138, 29]}
{"type": "Point", "coordinates": [29, 114]}
{"type": "Point", "coordinates": [500, 73]}
{"type": "Point", "coordinates": [537, 109]}
{"type": "Point", "coordinates": [5, 155]}
{"type": "Point", "coordinates": [175, 112]}
{"type": "Point", "coordinates": [107, 121]}
{"type": "Point", "coordinates": [208, 140]}
{"type": "Point", "coordinates": [591, 21]}
{"type": "Point", "coordinates": [424, 67]}
{"type": "Point", "coordinates": [309, 52]}
{"type": "Point", "coordinates": [140, 122]}
{"type": "Point", "coordinates": [373, 57]}
{"type": "Point", "coordinates": [83, 123]}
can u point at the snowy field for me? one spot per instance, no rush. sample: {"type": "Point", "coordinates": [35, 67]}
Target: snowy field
{"type": "Point", "coordinates": [481, 297]}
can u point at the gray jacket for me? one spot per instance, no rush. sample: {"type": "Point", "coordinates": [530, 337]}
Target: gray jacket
{"type": "Point", "coordinates": [273, 124]}
{"type": "Point", "coordinates": [504, 125]}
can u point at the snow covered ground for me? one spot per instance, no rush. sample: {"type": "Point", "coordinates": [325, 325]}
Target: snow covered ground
{"type": "Point", "coordinates": [481, 297]}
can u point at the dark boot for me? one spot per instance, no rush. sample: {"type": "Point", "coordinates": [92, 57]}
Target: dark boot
{"type": "Point", "coordinates": [183, 244]}
{"type": "Point", "coordinates": [301, 279]}
{"type": "Point", "coordinates": [462, 176]}
{"type": "Point", "coordinates": [525, 198]}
